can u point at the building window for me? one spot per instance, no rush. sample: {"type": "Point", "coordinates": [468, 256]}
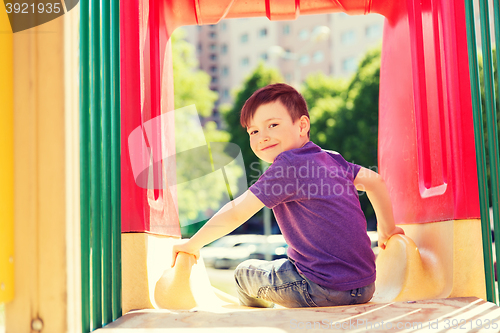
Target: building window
{"type": "Point", "coordinates": [348, 37]}
{"type": "Point", "coordinates": [244, 38]}
{"type": "Point", "coordinates": [225, 93]}
{"type": "Point", "coordinates": [223, 26]}
{"type": "Point", "coordinates": [213, 34]}
{"type": "Point", "coordinates": [263, 32]}
{"type": "Point", "coordinates": [223, 49]}
{"type": "Point", "coordinates": [286, 29]}
{"type": "Point", "coordinates": [304, 59]}
{"type": "Point", "coordinates": [214, 79]}
{"type": "Point", "coordinates": [264, 56]}
{"type": "Point", "coordinates": [245, 62]}
{"type": "Point", "coordinates": [349, 64]}
{"type": "Point", "coordinates": [213, 56]}
{"type": "Point", "coordinates": [213, 47]}
{"type": "Point", "coordinates": [318, 56]}
{"type": "Point", "coordinates": [373, 31]}
{"type": "Point", "coordinates": [199, 47]}
{"type": "Point", "coordinates": [225, 71]}
{"type": "Point", "coordinates": [213, 69]}
{"type": "Point", "coordinates": [303, 34]}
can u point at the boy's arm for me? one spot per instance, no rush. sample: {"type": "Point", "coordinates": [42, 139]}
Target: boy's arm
{"type": "Point", "coordinates": [228, 218]}
{"type": "Point", "coordinates": [374, 186]}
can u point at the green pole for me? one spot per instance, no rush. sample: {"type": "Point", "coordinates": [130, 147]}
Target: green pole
{"type": "Point", "coordinates": [496, 218]}
{"type": "Point", "coordinates": [95, 167]}
{"type": "Point", "coordinates": [106, 162]}
{"type": "Point", "coordinates": [480, 152]}
{"type": "Point", "coordinates": [115, 159]}
{"type": "Point", "coordinates": [496, 15]}
{"type": "Point", "coordinates": [491, 115]}
{"type": "Point", "coordinates": [266, 214]}
{"type": "Point", "coordinates": [491, 119]}
{"type": "Point", "coordinates": [84, 164]}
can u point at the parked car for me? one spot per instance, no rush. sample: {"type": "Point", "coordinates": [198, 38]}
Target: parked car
{"type": "Point", "coordinates": [373, 238]}
{"type": "Point", "coordinates": [236, 255]}
{"type": "Point", "coordinates": [275, 248]}
{"type": "Point", "coordinates": [230, 250]}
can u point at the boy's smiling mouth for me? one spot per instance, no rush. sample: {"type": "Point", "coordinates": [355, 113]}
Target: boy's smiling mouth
{"type": "Point", "coordinates": [269, 147]}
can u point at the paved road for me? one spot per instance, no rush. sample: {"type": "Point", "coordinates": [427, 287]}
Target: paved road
{"type": "Point", "coordinates": [222, 279]}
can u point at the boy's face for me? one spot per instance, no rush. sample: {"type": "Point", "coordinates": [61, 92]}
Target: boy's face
{"type": "Point", "coordinates": [272, 131]}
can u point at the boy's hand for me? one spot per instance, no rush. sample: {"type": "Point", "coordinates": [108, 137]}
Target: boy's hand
{"type": "Point", "coordinates": [184, 247]}
{"type": "Point", "coordinates": [383, 237]}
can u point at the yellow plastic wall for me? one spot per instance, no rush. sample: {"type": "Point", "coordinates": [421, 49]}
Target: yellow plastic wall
{"type": "Point", "coordinates": [432, 260]}
{"type": "Point", "coordinates": [7, 160]}
{"type": "Point", "coordinates": [146, 271]}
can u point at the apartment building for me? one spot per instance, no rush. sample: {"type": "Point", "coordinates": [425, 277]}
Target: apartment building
{"type": "Point", "coordinates": [231, 49]}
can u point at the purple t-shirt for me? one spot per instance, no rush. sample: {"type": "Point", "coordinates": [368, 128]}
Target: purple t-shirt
{"type": "Point", "coordinates": [317, 208]}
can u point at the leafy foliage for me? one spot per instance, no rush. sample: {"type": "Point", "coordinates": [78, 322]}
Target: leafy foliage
{"type": "Point", "coordinates": [483, 109]}
{"type": "Point", "coordinates": [344, 114]}
{"type": "Point", "coordinates": [259, 78]}
{"type": "Point", "coordinates": [197, 197]}
{"type": "Point", "coordinates": [191, 85]}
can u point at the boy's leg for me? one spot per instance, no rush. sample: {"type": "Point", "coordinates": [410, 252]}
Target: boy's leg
{"type": "Point", "coordinates": [248, 282]}
{"type": "Point", "coordinates": [329, 297]}
{"type": "Point", "coordinates": [261, 283]}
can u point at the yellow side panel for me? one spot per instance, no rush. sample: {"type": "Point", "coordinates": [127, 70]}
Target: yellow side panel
{"type": "Point", "coordinates": [7, 160]}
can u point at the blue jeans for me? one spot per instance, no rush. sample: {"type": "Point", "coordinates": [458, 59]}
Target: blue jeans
{"type": "Point", "coordinates": [261, 283]}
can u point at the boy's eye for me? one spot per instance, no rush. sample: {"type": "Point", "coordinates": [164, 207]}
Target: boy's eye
{"type": "Point", "coordinates": [253, 132]}
{"type": "Point", "coordinates": [273, 125]}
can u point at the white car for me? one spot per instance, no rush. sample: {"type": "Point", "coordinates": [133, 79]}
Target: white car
{"type": "Point", "coordinates": [229, 251]}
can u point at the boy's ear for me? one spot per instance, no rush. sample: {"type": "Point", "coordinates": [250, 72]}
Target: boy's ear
{"type": "Point", "coordinates": [305, 125]}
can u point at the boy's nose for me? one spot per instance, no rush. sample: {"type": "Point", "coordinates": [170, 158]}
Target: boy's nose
{"type": "Point", "coordinates": [264, 138]}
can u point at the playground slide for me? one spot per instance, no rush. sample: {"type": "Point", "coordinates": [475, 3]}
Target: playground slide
{"type": "Point", "coordinates": [405, 271]}
{"type": "Point", "coordinates": [425, 136]}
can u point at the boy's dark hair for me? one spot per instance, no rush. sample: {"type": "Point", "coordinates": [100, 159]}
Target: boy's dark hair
{"type": "Point", "coordinates": [291, 99]}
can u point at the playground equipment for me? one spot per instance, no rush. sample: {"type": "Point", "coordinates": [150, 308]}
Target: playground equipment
{"type": "Point", "coordinates": [426, 153]}
{"type": "Point", "coordinates": [7, 166]}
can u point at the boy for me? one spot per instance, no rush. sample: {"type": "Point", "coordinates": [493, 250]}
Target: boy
{"type": "Point", "coordinates": [313, 195]}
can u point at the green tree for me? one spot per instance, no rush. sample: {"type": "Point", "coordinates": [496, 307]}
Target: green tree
{"type": "Point", "coordinates": [197, 197]}
{"type": "Point", "coordinates": [483, 109]}
{"type": "Point", "coordinates": [191, 85]}
{"type": "Point", "coordinates": [259, 78]}
{"type": "Point", "coordinates": [344, 114]}
{"type": "Point", "coordinates": [318, 86]}
{"type": "Point", "coordinates": [325, 97]}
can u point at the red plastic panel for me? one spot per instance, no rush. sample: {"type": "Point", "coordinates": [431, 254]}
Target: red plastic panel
{"type": "Point", "coordinates": [426, 139]}
{"type": "Point", "coordinates": [426, 143]}
{"type": "Point", "coordinates": [146, 93]}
